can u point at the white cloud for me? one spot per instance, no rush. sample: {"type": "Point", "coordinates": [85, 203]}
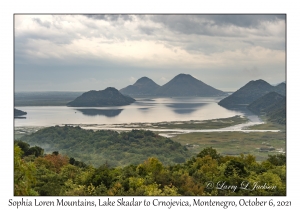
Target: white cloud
{"type": "Point", "coordinates": [132, 79]}
{"type": "Point", "coordinates": [151, 42]}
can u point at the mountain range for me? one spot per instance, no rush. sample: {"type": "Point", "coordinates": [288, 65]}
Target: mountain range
{"type": "Point", "coordinates": [251, 92]}
{"type": "Point", "coordinates": [180, 85]}
{"type": "Point", "coordinates": [108, 97]}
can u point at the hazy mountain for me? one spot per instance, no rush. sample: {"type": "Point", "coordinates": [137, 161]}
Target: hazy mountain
{"type": "Point", "coordinates": [277, 112]}
{"type": "Point", "coordinates": [250, 92]}
{"type": "Point", "coordinates": [262, 104]}
{"type": "Point", "coordinates": [273, 105]}
{"type": "Point", "coordinates": [108, 97]}
{"type": "Point", "coordinates": [143, 86]}
{"type": "Point", "coordinates": [18, 112]}
{"type": "Point", "coordinates": [186, 85]}
{"type": "Point", "coordinates": [281, 88]}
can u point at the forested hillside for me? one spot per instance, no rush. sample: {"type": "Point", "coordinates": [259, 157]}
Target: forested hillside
{"type": "Point", "coordinates": [272, 105]}
{"type": "Point", "coordinates": [58, 175]}
{"type": "Point", "coordinates": [106, 146]}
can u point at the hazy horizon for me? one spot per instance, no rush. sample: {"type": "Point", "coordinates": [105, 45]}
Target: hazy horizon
{"type": "Point", "coordinates": [231, 90]}
{"type": "Point", "coordinates": [92, 52]}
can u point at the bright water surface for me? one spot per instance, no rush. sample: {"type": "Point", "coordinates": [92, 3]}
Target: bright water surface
{"type": "Point", "coordinates": [143, 110]}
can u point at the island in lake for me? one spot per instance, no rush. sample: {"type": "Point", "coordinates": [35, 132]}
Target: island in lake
{"type": "Point", "coordinates": [108, 97]}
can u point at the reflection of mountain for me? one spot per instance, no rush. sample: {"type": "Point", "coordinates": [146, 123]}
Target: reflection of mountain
{"type": "Point", "coordinates": [184, 111]}
{"type": "Point", "coordinates": [145, 109]}
{"type": "Point", "coordinates": [105, 112]}
{"type": "Point", "coordinates": [20, 117]}
{"type": "Point", "coordinates": [185, 108]}
{"type": "Point", "coordinates": [245, 111]}
{"type": "Point", "coordinates": [141, 103]}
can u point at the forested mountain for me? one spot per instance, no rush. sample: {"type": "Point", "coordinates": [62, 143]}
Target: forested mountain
{"type": "Point", "coordinates": [277, 112]}
{"type": "Point", "coordinates": [142, 87]}
{"type": "Point", "coordinates": [272, 105]}
{"type": "Point", "coordinates": [262, 104]}
{"type": "Point", "coordinates": [186, 85]}
{"type": "Point", "coordinates": [18, 113]}
{"type": "Point", "coordinates": [108, 97]}
{"type": "Point", "coordinates": [281, 88]}
{"type": "Point", "coordinates": [55, 174]}
{"type": "Point", "coordinates": [250, 92]}
{"type": "Point", "coordinates": [105, 146]}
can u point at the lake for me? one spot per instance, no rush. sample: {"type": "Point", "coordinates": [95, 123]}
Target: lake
{"type": "Point", "coordinates": [143, 110]}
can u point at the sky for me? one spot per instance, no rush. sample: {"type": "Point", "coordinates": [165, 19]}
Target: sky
{"type": "Point", "coordinates": [95, 51]}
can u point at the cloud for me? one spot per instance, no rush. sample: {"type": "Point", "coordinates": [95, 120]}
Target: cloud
{"type": "Point", "coordinates": [252, 72]}
{"type": "Point", "coordinates": [132, 79]}
{"type": "Point", "coordinates": [111, 17]}
{"type": "Point", "coordinates": [46, 24]}
{"type": "Point", "coordinates": [141, 45]}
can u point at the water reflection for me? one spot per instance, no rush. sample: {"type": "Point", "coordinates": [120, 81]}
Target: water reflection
{"type": "Point", "coordinates": [20, 117]}
{"type": "Point", "coordinates": [144, 109]}
{"type": "Point", "coordinates": [141, 103]}
{"type": "Point", "coordinates": [245, 111]}
{"type": "Point", "coordinates": [185, 108]}
{"type": "Point", "coordinates": [104, 112]}
{"type": "Point", "coordinates": [240, 108]}
{"type": "Point", "coordinates": [184, 111]}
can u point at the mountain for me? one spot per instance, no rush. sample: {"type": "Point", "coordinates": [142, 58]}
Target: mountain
{"type": "Point", "coordinates": [272, 105]}
{"type": "Point", "coordinates": [262, 104]}
{"type": "Point", "coordinates": [277, 112]}
{"type": "Point", "coordinates": [281, 88]}
{"type": "Point", "coordinates": [108, 97]}
{"type": "Point", "coordinates": [143, 86]}
{"type": "Point", "coordinates": [250, 92]}
{"type": "Point", "coordinates": [186, 85]}
{"type": "Point", "coordinates": [18, 113]}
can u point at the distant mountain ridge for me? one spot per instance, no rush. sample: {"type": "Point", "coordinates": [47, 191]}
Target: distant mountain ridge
{"type": "Point", "coordinates": [142, 87]}
{"type": "Point", "coordinates": [108, 97]}
{"type": "Point", "coordinates": [180, 85]}
{"type": "Point", "coordinates": [250, 92]}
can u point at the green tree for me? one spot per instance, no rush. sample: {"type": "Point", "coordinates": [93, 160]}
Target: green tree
{"type": "Point", "coordinates": [24, 174]}
{"type": "Point", "coordinates": [210, 152]}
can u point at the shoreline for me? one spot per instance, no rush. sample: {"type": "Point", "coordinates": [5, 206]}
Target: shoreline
{"type": "Point", "coordinates": [168, 128]}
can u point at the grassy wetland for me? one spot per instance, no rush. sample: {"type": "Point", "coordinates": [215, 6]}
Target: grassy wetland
{"type": "Point", "coordinates": [259, 144]}
{"type": "Point", "coordinates": [247, 141]}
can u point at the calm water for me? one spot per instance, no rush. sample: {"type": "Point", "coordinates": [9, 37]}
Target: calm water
{"type": "Point", "coordinates": [143, 110]}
